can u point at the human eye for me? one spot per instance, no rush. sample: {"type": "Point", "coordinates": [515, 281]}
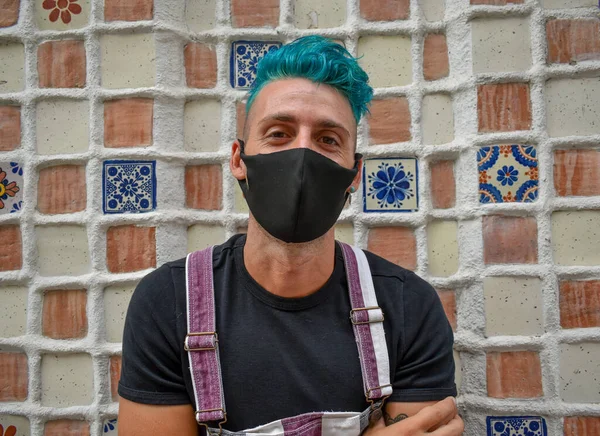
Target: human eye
{"type": "Point", "coordinates": [330, 140]}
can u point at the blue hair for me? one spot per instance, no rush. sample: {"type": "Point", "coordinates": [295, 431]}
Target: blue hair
{"type": "Point", "coordinates": [320, 60]}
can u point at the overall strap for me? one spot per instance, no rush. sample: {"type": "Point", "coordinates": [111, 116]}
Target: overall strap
{"type": "Point", "coordinates": [367, 322]}
{"type": "Point", "coordinates": [201, 341]}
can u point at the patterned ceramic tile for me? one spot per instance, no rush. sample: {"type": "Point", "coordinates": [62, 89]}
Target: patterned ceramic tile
{"type": "Point", "coordinates": [11, 187]}
{"type": "Point", "coordinates": [516, 426]}
{"type": "Point", "coordinates": [390, 185]}
{"type": "Point", "coordinates": [14, 425]}
{"type": "Point", "coordinates": [508, 173]}
{"type": "Point", "coordinates": [62, 14]}
{"type": "Point", "coordinates": [245, 56]}
{"type": "Point", "coordinates": [110, 427]}
{"type": "Point", "coordinates": [129, 186]}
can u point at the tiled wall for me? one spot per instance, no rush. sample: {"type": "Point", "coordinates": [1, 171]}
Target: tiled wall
{"type": "Point", "coordinates": [116, 119]}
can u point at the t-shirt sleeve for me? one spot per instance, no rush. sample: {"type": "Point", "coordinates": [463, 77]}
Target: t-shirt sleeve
{"type": "Point", "coordinates": [425, 369]}
{"type": "Point", "coordinates": [151, 370]}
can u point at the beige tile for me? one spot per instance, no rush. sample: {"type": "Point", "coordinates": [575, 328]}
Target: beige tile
{"type": "Point", "coordinates": [579, 369]}
{"type": "Point", "coordinates": [12, 67]}
{"type": "Point", "coordinates": [13, 311]}
{"type": "Point", "coordinates": [116, 300]}
{"type": "Point", "coordinates": [437, 119]}
{"type": "Point", "coordinates": [20, 423]}
{"type": "Point", "coordinates": [576, 237]}
{"type": "Point", "coordinates": [201, 236]}
{"type": "Point", "coordinates": [200, 14]}
{"type": "Point", "coordinates": [573, 107]}
{"type": "Point", "coordinates": [386, 59]}
{"type": "Point", "coordinates": [559, 4]}
{"type": "Point", "coordinates": [432, 9]}
{"type": "Point", "coordinates": [240, 206]}
{"type": "Point", "coordinates": [501, 44]}
{"type": "Point", "coordinates": [344, 232]}
{"type": "Point", "coordinates": [62, 126]}
{"type": "Point", "coordinates": [67, 380]}
{"type": "Point", "coordinates": [513, 306]}
{"type": "Point", "coordinates": [202, 125]}
{"type": "Point", "coordinates": [77, 17]}
{"type": "Point", "coordinates": [313, 14]}
{"type": "Point", "coordinates": [127, 60]}
{"type": "Point", "coordinates": [442, 243]}
{"type": "Point", "coordinates": [71, 242]}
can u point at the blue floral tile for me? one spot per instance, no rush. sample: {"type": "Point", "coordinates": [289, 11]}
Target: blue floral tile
{"type": "Point", "coordinates": [508, 173]}
{"type": "Point", "coordinates": [516, 426]}
{"type": "Point", "coordinates": [129, 186]}
{"type": "Point", "coordinates": [245, 56]}
{"type": "Point", "coordinates": [110, 427]}
{"type": "Point", "coordinates": [11, 187]}
{"type": "Point", "coordinates": [390, 185]}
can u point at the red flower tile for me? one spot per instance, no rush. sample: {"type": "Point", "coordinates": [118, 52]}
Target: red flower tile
{"type": "Point", "coordinates": [61, 9]}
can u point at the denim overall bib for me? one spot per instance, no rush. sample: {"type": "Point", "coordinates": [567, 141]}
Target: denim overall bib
{"type": "Point", "coordinates": [202, 346]}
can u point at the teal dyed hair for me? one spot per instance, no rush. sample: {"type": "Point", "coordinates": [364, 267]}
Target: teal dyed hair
{"type": "Point", "coordinates": [320, 60]}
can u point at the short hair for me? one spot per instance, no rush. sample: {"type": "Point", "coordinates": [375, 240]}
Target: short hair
{"type": "Point", "coordinates": [320, 60]}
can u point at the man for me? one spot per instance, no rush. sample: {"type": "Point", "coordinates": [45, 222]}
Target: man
{"type": "Point", "coordinates": [284, 300]}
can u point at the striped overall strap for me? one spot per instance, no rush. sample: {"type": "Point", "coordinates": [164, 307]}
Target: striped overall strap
{"type": "Point", "coordinates": [201, 341]}
{"type": "Point", "coordinates": [367, 322]}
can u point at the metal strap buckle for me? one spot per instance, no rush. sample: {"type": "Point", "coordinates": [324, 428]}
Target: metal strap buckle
{"type": "Point", "coordinates": [208, 432]}
{"type": "Point", "coordinates": [353, 311]}
{"type": "Point", "coordinates": [213, 347]}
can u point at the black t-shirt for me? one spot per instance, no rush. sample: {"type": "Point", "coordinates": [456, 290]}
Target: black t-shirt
{"type": "Point", "coordinates": [282, 357]}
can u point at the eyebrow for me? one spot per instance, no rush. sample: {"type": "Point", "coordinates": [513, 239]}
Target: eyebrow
{"type": "Point", "coordinates": [288, 118]}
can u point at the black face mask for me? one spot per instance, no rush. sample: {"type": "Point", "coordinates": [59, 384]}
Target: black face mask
{"type": "Point", "coordinates": [296, 195]}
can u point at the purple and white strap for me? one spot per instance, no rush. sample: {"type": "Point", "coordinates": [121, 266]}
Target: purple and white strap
{"type": "Point", "coordinates": [201, 341]}
{"type": "Point", "coordinates": [367, 321]}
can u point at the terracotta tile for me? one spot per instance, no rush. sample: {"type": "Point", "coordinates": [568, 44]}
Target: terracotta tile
{"type": "Point", "coordinates": [240, 118]}
{"type": "Point", "coordinates": [396, 244]}
{"type": "Point", "coordinates": [255, 13]}
{"type": "Point", "coordinates": [515, 374]}
{"type": "Point", "coordinates": [509, 239]}
{"type": "Point", "coordinates": [443, 189]}
{"type": "Point", "coordinates": [62, 64]}
{"type": "Point", "coordinates": [577, 172]}
{"type": "Point", "coordinates": [389, 121]}
{"type": "Point", "coordinates": [128, 10]}
{"type": "Point", "coordinates": [66, 427]}
{"type": "Point", "coordinates": [496, 2]}
{"type": "Point", "coordinates": [503, 107]}
{"type": "Point", "coordinates": [385, 10]}
{"type": "Point", "coordinates": [435, 57]}
{"type": "Point", "coordinates": [130, 248]}
{"type": "Point", "coordinates": [10, 248]}
{"type": "Point", "coordinates": [573, 40]}
{"type": "Point", "coordinates": [448, 298]}
{"type": "Point", "coordinates": [13, 376]}
{"type": "Point", "coordinates": [128, 122]}
{"type": "Point", "coordinates": [203, 187]}
{"type": "Point", "coordinates": [10, 127]}
{"type": "Point", "coordinates": [581, 425]}
{"type": "Point", "coordinates": [200, 65]}
{"type": "Point", "coordinates": [580, 304]}
{"type": "Point", "coordinates": [64, 314]}
{"type": "Point", "coordinates": [115, 375]}
{"type": "Point", "coordinates": [10, 12]}
{"type": "Point", "coordinates": [62, 189]}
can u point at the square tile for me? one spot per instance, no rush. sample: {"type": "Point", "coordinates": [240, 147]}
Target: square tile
{"type": "Point", "coordinates": [437, 119]}
{"type": "Point", "coordinates": [114, 376]}
{"type": "Point", "coordinates": [200, 15]}
{"type": "Point", "coordinates": [502, 107]}
{"type": "Point", "coordinates": [62, 126]}
{"type": "Point", "coordinates": [245, 56]}
{"type": "Point", "coordinates": [435, 57]}
{"type": "Point", "coordinates": [202, 125]}
{"type": "Point", "coordinates": [385, 10]}
{"type": "Point", "coordinates": [10, 12]}
{"type": "Point", "coordinates": [62, 64]}
{"type": "Point", "coordinates": [514, 374]}
{"type": "Point", "coordinates": [448, 299]}
{"type": "Point", "coordinates": [64, 314]}
{"type": "Point", "coordinates": [201, 236]}
{"type": "Point", "coordinates": [11, 187]}
{"type": "Point", "coordinates": [579, 303]}
{"type": "Point", "coordinates": [509, 239]}
{"type": "Point", "coordinates": [128, 122]}
{"type": "Point", "coordinates": [314, 14]}
{"type": "Point", "coordinates": [577, 172]}
{"type": "Point", "coordinates": [16, 425]}
{"type": "Point", "coordinates": [62, 250]}
{"type": "Point", "coordinates": [13, 310]}
{"type": "Point", "coordinates": [11, 255]}
{"type": "Point", "coordinates": [130, 248]}
{"type": "Point", "coordinates": [501, 44]}
{"type": "Point", "coordinates": [204, 187]}
{"type": "Point", "coordinates": [443, 184]}
{"type": "Point", "coordinates": [442, 248]}
{"type": "Point", "coordinates": [14, 379]}
{"type": "Point", "coordinates": [62, 189]}
{"type": "Point", "coordinates": [129, 186]}
{"type": "Point", "coordinates": [67, 380]}
{"type": "Point", "coordinates": [389, 121]}
{"type": "Point", "coordinates": [396, 244]}
{"type": "Point", "coordinates": [110, 427]}
{"type": "Point", "coordinates": [576, 237]}
{"type": "Point", "coordinates": [67, 427]}
{"type": "Point", "coordinates": [560, 4]}
{"type": "Point", "coordinates": [581, 425]}
{"type": "Point", "coordinates": [62, 14]}
{"type": "Point", "coordinates": [433, 10]}
{"type": "Point", "coordinates": [573, 40]}
{"type": "Point", "coordinates": [200, 65]}
{"type": "Point", "coordinates": [10, 128]}
{"type": "Point", "coordinates": [116, 301]}
{"type": "Point", "coordinates": [508, 174]}
{"type": "Point", "coordinates": [390, 185]}
{"type": "Point", "coordinates": [386, 59]}
{"type": "Point", "coordinates": [12, 67]}
{"type": "Point", "coordinates": [128, 10]}
{"type": "Point", "coordinates": [579, 368]}
{"type": "Point", "coordinates": [573, 106]}
{"type": "Point", "coordinates": [128, 60]}
{"type": "Point", "coordinates": [516, 426]}
{"type": "Point", "coordinates": [255, 13]}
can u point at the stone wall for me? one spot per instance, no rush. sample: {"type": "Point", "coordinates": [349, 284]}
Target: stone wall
{"type": "Point", "coordinates": [116, 121]}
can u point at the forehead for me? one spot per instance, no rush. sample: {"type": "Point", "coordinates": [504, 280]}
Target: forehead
{"type": "Point", "coordinates": [303, 99]}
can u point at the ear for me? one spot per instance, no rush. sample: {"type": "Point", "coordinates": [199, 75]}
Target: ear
{"type": "Point", "coordinates": [236, 164]}
{"type": "Point", "coordinates": [357, 178]}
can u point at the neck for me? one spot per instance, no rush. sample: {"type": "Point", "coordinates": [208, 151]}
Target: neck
{"type": "Point", "coordinates": [288, 270]}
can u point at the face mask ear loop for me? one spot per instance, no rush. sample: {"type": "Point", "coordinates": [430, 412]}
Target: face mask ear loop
{"type": "Point", "coordinates": [242, 145]}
